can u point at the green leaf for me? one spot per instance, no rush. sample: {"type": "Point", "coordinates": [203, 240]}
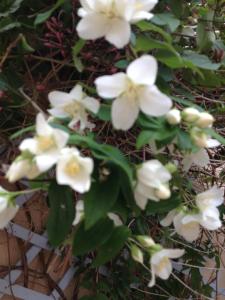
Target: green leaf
{"type": "Point", "coordinates": [42, 17]}
{"type": "Point", "coordinates": [167, 19]}
{"type": "Point", "coordinates": [22, 131]}
{"type": "Point", "coordinates": [163, 206]}
{"type": "Point", "coordinates": [144, 138]}
{"type": "Point", "coordinates": [88, 240]}
{"type": "Point", "coordinates": [98, 201]}
{"type": "Point", "coordinates": [145, 44]}
{"type": "Point", "coordinates": [184, 141]}
{"type": "Point", "coordinates": [104, 112]}
{"type": "Point", "coordinates": [62, 213]}
{"type": "Point", "coordinates": [147, 26]}
{"type": "Point", "coordinates": [122, 64]}
{"type": "Point", "coordinates": [7, 24]}
{"type": "Point", "coordinates": [200, 60]}
{"type": "Point", "coordinates": [112, 246]}
{"type": "Point", "coordinates": [6, 10]}
{"type": "Point", "coordinates": [75, 51]}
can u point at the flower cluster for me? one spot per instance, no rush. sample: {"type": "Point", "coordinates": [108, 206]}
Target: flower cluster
{"type": "Point", "coordinates": [187, 222]}
{"type": "Point", "coordinates": [197, 124]}
{"type": "Point", "coordinates": [47, 148]}
{"type": "Point", "coordinates": [112, 19]}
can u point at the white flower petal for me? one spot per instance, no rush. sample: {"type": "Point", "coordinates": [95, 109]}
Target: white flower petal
{"type": "Point", "coordinates": [91, 104]}
{"type": "Point", "coordinates": [111, 86]}
{"type": "Point", "coordinates": [141, 15]}
{"type": "Point", "coordinates": [58, 112]}
{"type": "Point", "coordinates": [29, 144]}
{"type": "Point", "coordinates": [77, 92]}
{"type": "Point", "coordinates": [212, 143]}
{"type": "Point", "coordinates": [93, 26]}
{"type": "Point", "coordinates": [42, 126]}
{"type": "Point", "coordinates": [164, 273]}
{"type": "Point", "coordinates": [124, 113]}
{"type": "Point", "coordinates": [58, 98]}
{"type": "Point", "coordinates": [7, 215]}
{"type": "Point", "coordinates": [168, 220]}
{"type": "Point", "coordinates": [153, 102]}
{"type": "Point", "coordinates": [125, 8]}
{"type": "Point", "coordinates": [152, 282]}
{"type": "Point", "coordinates": [61, 138]}
{"type": "Point", "coordinates": [143, 70]}
{"type": "Point", "coordinates": [119, 33]}
{"type": "Point", "coordinates": [174, 253]}
{"type": "Point", "coordinates": [140, 200]}
{"type": "Point", "coordinates": [46, 161]}
{"type": "Point", "coordinates": [212, 197]}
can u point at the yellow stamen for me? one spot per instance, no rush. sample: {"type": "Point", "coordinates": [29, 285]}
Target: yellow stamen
{"type": "Point", "coordinates": [72, 168]}
{"type": "Point", "coordinates": [162, 265]}
{"type": "Point", "coordinates": [45, 143]}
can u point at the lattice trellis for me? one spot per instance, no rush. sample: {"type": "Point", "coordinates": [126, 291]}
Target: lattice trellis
{"type": "Point", "coordinates": [8, 285]}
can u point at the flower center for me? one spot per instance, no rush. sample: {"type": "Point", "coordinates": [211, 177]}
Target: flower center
{"type": "Point", "coordinates": [45, 143]}
{"type": "Point", "coordinates": [73, 109]}
{"type": "Point", "coordinates": [132, 90]}
{"type": "Point", "coordinates": [162, 265]}
{"type": "Point", "coordinates": [138, 6]}
{"type": "Point", "coordinates": [72, 168]}
{"type": "Point", "coordinates": [190, 226]}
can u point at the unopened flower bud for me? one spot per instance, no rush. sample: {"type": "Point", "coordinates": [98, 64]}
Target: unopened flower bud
{"type": "Point", "coordinates": [190, 114]}
{"type": "Point", "coordinates": [199, 137]}
{"type": "Point", "coordinates": [172, 168]}
{"type": "Point", "coordinates": [145, 241]}
{"type": "Point", "coordinates": [173, 117]}
{"type": "Point", "coordinates": [205, 120]}
{"type": "Point", "coordinates": [163, 192]}
{"type": "Point", "coordinates": [137, 254]}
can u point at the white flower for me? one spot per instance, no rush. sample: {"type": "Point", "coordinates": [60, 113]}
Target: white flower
{"type": "Point", "coordinates": [7, 210]}
{"type": "Point", "coordinates": [111, 19]}
{"type": "Point", "coordinates": [186, 225]}
{"type": "Point", "coordinates": [134, 91]}
{"type": "Point", "coordinates": [161, 265]}
{"type": "Point", "coordinates": [74, 105]}
{"type": "Point", "coordinates": [152, 183]}
{"type": "Point", "coordinates": [190, 114]}
{"type": "Point", "coordinates": [79, 212]}
{"type": "Point", "coordinates": [74, 170]}
{"type": "Point", "coordinates": [211, 198]}
{"type": "Point", "coordinates": [46, 145]}
{"type": "Point", "coordinates": [205, 120]}
{"type": "Point", "coordinates": [200, 159]}
{"type": "Point", "coordinates": [210, 218]}
{"type": "Point", "coordinates": [207, 202]}
{"type": "Point", "coordinates": [23, 166]}
{"type": "Point", "coordinates": [173, 117]}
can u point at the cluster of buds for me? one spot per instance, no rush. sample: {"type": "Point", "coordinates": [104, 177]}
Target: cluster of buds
{"type": "Point", "coordinates": [195, 120]}
{"type": "Point", "coordinates": [191, 116]}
